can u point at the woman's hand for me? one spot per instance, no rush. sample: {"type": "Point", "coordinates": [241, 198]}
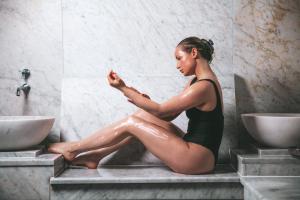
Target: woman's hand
{"type": "Point", "coordinates": [115, 81]}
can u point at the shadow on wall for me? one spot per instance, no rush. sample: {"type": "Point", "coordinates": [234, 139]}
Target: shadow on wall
{"type": "Point", "coordinates": [244, 104]}
{"type": "Point", "coordinates": [274, 96]}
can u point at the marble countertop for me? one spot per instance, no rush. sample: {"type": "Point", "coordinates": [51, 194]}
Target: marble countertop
{"type": "Point", "coordinates": [268, 159]}
{"type": "Point", "coordinates": [141, 174]}
{"type": "Point", "coordinates": [273, 188]}
{"type": "Point", "coordinates": [40, 160]}
{"type": "Point", "coordinates": [33, 156]}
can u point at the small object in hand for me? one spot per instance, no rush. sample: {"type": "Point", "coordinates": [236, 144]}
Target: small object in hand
{"type": "Point", "coordinates": [112, 75]}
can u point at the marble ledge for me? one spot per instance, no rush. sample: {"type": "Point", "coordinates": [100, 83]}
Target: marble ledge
{"type": "Point", "coordinates": [142, 174]}
{"type": "Point", "coordinates": [41, 160]}
{"type": "Point", "coordinates": [257, 159]}
{"type": "Point", "coordinates": [271, 188]}
{"type": "Point", "coordinates": [32, 152]}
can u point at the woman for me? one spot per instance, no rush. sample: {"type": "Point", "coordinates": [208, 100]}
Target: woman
{"type": "Point", "coordinates": [193, 153]}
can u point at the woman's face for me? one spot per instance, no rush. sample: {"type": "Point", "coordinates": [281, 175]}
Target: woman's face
{"type": "Point", "coordinates": [186, 62]}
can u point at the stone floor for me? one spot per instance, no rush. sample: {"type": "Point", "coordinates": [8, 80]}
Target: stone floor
{"type": "Point", "coordinates": [255, 173]}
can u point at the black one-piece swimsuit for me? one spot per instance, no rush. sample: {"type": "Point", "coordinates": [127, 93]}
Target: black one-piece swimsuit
{"type": "Point", "coordinates": [206, 127]}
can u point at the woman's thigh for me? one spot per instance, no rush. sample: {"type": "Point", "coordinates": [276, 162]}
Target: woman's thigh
{"type": "Point", "coordinates": [169, 126]}
{"type": "Point", "coordinates": [179, 155]}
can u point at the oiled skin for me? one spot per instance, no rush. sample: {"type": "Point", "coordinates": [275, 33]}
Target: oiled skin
{"type": "Point", "coordinates": [151, 123]}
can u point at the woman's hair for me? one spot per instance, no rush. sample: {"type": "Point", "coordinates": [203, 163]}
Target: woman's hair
{"type": "Point", "coordinates": [204, 47]}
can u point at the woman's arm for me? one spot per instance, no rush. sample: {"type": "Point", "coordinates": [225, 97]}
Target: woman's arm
{"type": "Point", "coordinates": [135, 97]}
{"type": "Point", "coordinates": [175, 115]}
{"type": "Point", "coordinates": [165, 118]}
{"type": "Point", "coordinates": [191, 97]}
{"type": "Point", "coordinates": [171, 117]}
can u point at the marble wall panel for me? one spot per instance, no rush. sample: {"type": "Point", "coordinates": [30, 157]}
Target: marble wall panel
{"type": "Point", "coordinates": [30, 182]}
{"type": "Point", "coordinates": [31, 37]}
{"type": "Point", "coordinates": [266, 38]}
{"type": "Point", "coordinates": [137, 39]}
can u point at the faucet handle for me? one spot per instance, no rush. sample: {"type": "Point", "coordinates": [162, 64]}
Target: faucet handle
{"type": "Point", "coordinates": [25, 73]}
{"type": "Point", "coordinates": [18, 91]}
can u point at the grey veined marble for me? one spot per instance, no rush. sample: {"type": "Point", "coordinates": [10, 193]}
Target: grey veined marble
{"type": "Point", "coordinates": [137, 39]}
{"type": "Point", "coordinates": [141, 174]}
{"type": "Point", "coordinates": [266, 58]}
{"type": "Point", "coordinates": [31, 37]}
{"type": "Point", "coordinates": [30, 152]}
{"type": "Point", "coordinates": [26, 174]}
{"type": "Point", "coordinates": [250, 163]}
{"type": "Point", "coordinates": [271, 188]}
{"type": "Point", "coordinates": [125, 182]}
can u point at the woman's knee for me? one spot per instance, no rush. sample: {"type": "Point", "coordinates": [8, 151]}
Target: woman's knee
{"type": "Point", "coordinates": [142, 114]}
{"type": "Point", "coordinates": [155, 120]}
{"type": "Point", "coordinates": [139, 112]}
{"type": "Point", "coordinates": [130, 121]}
{"type": "Point", "coordinates": [151, 118]}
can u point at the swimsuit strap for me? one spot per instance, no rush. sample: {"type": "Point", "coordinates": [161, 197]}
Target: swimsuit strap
{"type": "Point", "coordinates": [215, 86]}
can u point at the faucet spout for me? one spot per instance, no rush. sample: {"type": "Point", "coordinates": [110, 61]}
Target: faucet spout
{"type": "Point", "coordinates": [18, 91]}
{"type": "Point", "coordinates": [26, 89]}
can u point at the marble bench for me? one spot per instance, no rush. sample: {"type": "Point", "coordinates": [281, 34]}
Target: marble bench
{"type": "Point", "coordinates": [145, 182]}
{"type": "Point", "coordinates": [264, 162]}
{"type": "Point", "coordinates": [271, 188]}
{"type": "Point", "coordinates": [26, 174]}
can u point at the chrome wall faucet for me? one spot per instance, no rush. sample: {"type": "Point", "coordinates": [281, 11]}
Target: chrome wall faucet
{"type": "Point", "coordinates": [24, 87]}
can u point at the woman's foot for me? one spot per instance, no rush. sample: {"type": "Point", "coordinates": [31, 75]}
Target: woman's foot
{"type": "Point", "coordinates": [63, 148]}
{"type": "Point", "coordinates": [90, 160]}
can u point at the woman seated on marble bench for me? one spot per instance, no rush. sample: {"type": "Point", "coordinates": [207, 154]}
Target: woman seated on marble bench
{"type": "Point", "coordinates": [195, 152]}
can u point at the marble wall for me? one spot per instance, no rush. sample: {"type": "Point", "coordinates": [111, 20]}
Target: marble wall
{"type": "Point", "coordinates": [137, 39]}
{"type": "Point", "coordinates": [266, 38]}
{"type": "Point", "coordinates": [31, 37]}
{"type": "Point", "coordinates": [71, 45]}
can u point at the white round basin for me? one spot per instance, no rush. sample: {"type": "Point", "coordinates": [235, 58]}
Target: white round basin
{"type": "Point", "coordinates": [19, 132]}
{"type": "Point", "coordinates": [281, 130]}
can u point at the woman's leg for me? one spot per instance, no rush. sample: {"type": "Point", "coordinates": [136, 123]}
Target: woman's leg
{"type": "Point", "coordinates": [179, 155]}
{"type": "Point", "coordinates": [65, 147]}
{"type": "Point", "coordinates": [92, 158]}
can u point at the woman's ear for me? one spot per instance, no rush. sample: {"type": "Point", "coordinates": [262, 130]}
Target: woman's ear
{"type": "Point", "coordinates": [194, 52]}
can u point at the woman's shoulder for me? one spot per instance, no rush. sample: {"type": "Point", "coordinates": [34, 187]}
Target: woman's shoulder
{"type": "Point", "coordinates": [188, 84]}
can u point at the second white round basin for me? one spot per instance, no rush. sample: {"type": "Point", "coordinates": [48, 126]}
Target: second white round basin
{"type": "Point", "coordinates": [281, 130]}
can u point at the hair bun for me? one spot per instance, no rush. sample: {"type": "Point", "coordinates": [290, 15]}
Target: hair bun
{"type": "Point", "coordinates": [211, 42]}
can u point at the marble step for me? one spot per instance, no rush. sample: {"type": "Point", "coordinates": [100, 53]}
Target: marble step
{"type": "Point", "coordinates": [252, 163]}
{"type": "Point", "coordinates": [145, 182]}
{"type": "Point", "coordinates": [28, 177]}
{"type": "Point", "coordinates": [30, 152]}
{"type": "Point", "coordinates": [271, 188]}
{"type": "Point", "coordinates": [269, 151]}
